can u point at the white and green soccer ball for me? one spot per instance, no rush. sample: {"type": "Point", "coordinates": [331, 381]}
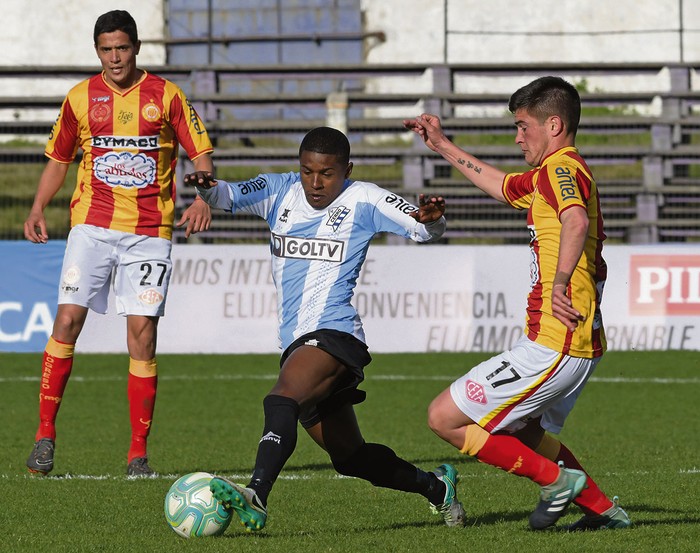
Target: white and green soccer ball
{"type": "Point", "coordinates": [192, 511]}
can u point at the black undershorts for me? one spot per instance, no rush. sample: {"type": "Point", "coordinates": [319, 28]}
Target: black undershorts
{"type": "Point", "coordinates": [352, 353]}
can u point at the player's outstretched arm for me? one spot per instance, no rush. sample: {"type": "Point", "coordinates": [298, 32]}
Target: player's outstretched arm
{"type": "Point", "coordinates": [486, 177]}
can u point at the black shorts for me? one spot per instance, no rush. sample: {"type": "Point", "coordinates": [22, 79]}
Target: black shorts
{"type": "Point", "coordinates": [352, 353]}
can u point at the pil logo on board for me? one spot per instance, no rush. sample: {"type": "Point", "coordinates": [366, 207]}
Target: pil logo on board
{"type": "Point", "coordinates": [664, 285]}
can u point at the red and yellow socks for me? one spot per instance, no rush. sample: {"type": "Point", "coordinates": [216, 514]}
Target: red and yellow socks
{"type": "Point", "coordinates": [591, 500]}
{"type": "Point", "coordinates": [56, 367]}
{"type": "Point", "coordinates": [141, 390]}
{"type": "Point", "coordinates": [510, 454]}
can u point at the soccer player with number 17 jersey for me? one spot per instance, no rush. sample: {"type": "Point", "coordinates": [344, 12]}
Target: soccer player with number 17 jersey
{"type": "Point", "coordinates": [129, 125]}
{"type": "Point", "coordinates": [498, 412]}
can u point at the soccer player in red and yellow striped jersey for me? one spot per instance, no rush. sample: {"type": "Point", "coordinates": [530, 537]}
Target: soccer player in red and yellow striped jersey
{"type": "Point", "coordinates": [129, 125]}
{"type": "Point", "coordinates": [562, 181]}
{"type": "Point", "coordinates": [500, 410]}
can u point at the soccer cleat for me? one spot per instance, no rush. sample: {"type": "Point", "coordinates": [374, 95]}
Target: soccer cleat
{"type": "Point", "coordinates": [138, 467]}
{"type": "Point", "coordinates": [451, 509]}
{"type": "Point", "coordinates": [556, 497]}
{"type": "Point", "coordinates": [41, 458]}
{"type": "Point", "coordinates": [242, 500]}
{"type": "Point", "coordinates": [614, 518]}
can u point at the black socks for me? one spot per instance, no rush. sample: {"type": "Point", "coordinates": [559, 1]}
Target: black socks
{"type": "Point", "coordinates": [277, 444]}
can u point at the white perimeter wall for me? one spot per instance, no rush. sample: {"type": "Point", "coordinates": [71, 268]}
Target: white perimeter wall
{"type": "Point", "coordinates": [453, 298]}
{"type": "Point", "coordinates": [507, 31]}
{"type": "Point", "coordinates": [59, 32]}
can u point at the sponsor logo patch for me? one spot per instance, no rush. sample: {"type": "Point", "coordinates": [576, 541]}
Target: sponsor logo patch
{"type": "Point", "coordinates": [125, 169]}
{"type": "Point", "coordinates": [271, 437]}
{"type": "Point", "coordinates": [475, 392]}
{"type": "Point", "coordinates": [125, 117]}
{"type": "Point", "coordinates": [126, 142]}
{"type": "Point", "coordinates": [664, 285]}
{"type": "Point", "coordinates": [313, 249]}
{"type": "Point", "coordinates": [399, 203]}
{"type": "Point", "coordinates": [313, 342]}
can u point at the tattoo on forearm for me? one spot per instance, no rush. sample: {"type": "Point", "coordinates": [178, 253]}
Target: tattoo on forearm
{"type": "Point", "coordinates": [469, 165]}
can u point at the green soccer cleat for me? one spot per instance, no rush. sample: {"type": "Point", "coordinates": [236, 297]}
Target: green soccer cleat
{"type": "Point", "coordinates": [556, 497]}
{"type": "Point", "coordinates": [451, 509]}
{"type": "Point", "coordinates": [40, 460]}
{"type": "Point", "coordinates": [242, 500]}
{"type": "Point", "coordinates": [615, 518]}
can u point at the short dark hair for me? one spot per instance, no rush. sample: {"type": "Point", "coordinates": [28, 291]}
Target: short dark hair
{"type": "Point", "coordinates": [326, 140]}
{"type": "Point", "coordinates": [549, 96]}
{"type": "Point", "coordinates": [116, 20]}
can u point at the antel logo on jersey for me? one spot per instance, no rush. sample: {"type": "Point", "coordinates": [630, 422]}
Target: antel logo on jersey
{"type": "Point", "coordinates": [665, 284]}
{"type": "Point", "coordinates": [315, 249]}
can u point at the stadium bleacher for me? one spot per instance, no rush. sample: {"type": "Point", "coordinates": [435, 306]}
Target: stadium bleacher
{"type": "Point", "coordinates": [641, 144]}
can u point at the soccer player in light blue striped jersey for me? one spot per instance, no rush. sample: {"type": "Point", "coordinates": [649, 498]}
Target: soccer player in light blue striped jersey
{"type": "Point", "coordinates": [321, 224]}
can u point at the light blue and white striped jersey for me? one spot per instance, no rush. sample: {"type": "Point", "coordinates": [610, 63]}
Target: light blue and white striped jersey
{"type": "Point", "coordinates": [317, 253]}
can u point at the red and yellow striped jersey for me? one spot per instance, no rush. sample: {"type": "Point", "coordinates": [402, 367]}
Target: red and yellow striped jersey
{"type": "Point", "coordinates": [130, 140]}
{"type": "Point", "coordinates": [562, 181]}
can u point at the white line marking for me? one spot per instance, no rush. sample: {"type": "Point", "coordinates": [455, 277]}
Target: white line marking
{"type": "Point", "coordinates": [390, 377]}
{"type": "Point", "coordinates": [312, 475]}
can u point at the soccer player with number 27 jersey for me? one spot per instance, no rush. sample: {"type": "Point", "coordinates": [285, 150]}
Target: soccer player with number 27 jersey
{"type": "Point", "coordinates": [129, 125]}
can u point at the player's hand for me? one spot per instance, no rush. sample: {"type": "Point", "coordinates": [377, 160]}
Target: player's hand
{"type": "Point", "coordinates": [430, 208]}
{"type": "Point", "coordinates": [197, 217]}
{"type": "Point", "coordinates": [563, 309]}
{"type": "Point", "coordinates": [202, 179]}
{"type": "Point", "coordinates": [35, 228]}
{"type": "Point", "coordinates": [429, 128]}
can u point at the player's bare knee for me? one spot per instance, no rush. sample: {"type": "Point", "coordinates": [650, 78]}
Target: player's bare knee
{"type": "Point", "coordinates": [436, 420]}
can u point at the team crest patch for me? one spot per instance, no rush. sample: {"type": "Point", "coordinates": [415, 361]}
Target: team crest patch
{"type": "Point", "coordinates": [72, 275]}
{"type": "Point", "coordinates": [475, 392]}
{"type": "Point", "coordinates": [150, 112]}
{"type": "Point", "coordinates": [99, 113]}
{"type": "Point", "coordinates": [151, 296]}
{"type": "Point", "coordinates": [336, 216]}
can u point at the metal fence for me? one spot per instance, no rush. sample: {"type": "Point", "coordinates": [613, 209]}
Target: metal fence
{"type": "Point", "coordinates": [641, 141]}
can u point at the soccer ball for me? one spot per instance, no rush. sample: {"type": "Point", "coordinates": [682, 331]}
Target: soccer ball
{"type": "Point", "coordinates": [192, 511]}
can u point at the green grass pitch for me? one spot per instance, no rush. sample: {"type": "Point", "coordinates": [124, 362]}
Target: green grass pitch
{"type": "Point", "coordinates": [635, 429]}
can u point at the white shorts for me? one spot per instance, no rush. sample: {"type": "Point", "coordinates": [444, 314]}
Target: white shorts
{"type": "Point", "coordinates": [140, 266]}
{"type": "Point", "coordinates": [521, 384]}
